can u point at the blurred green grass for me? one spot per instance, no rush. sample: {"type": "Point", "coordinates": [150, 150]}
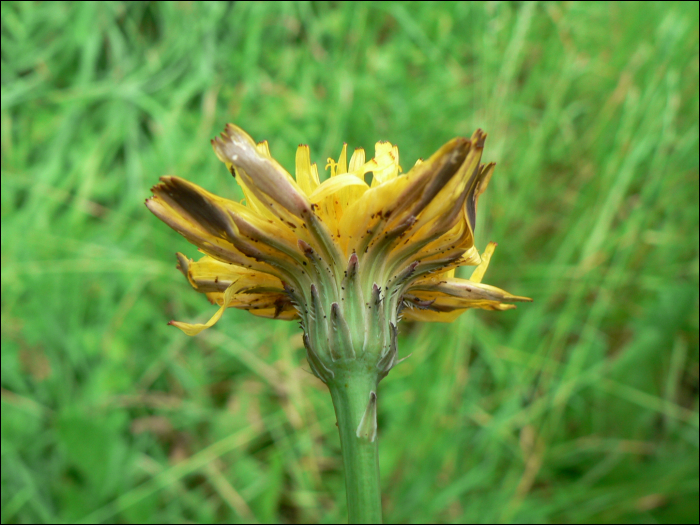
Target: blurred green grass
{"type": "Point", "coordinates": [580, 407]}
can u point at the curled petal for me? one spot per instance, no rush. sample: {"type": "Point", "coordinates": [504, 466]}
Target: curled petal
{"type": "Point", "coordinates": [393, 202]}
{"type": "Point", "coordinates": [194, 329]}
{"type": "Point", "coordinates": [262, 175]}
{"type": "Point", "coordinates": [461, 293]}
{"type": "Point", "coordinates": [443, 226]}
{"type": "Point", "coordinates": [207, 275]}
{"type": "Point", "coordinates": [451, 197]}
{"type": "Point", "coordinates": [446, 294]}
{"type": "Point", "coordinates": [195, 205]}
{"type": "Point", "coordinates": [204, 225]}
{"type": "Point", "coordinates": [232, 286]}
{"type": "Point", "coordinates": [437, 243]}
{"type": "Point", "coordinates": [476, 188]}
{"type": "Point", "coordinates": [479, 271]}
{"type": "Point", "coordinates": [269, 305]}
{"type": "Point", "coordinates": [272, 186]}
{"type": "Point", "coordinates": [336, 184]}
{"type": "Point", "coordinates": [446, 314]}
{"type": "Point", "coordinates": [454, 290]}
{"type": "Point", "coordinates": [219, 227]}
{"type": "Point", "coordinates": [285, 314]}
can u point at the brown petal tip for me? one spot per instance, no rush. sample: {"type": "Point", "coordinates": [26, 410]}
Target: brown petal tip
{"type": "Point", "coordinates": [479, 138]}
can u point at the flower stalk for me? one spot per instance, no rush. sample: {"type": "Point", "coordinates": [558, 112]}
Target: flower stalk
{"type": "Point", "coordinates": [354, 396]}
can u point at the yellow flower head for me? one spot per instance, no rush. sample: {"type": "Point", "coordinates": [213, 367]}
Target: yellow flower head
{"type": "Point", "coordinates": [347, 258]}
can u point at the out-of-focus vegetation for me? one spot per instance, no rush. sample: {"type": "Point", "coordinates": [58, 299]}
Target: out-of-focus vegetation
{"type": "Point", "coordinates": [580, 407]}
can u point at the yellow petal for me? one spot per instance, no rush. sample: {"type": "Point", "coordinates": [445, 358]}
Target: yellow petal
{"type": "Point", "coordinates": [333, 208]}
{"type": "Point", "coordinates": [480, 270]}
{"type": "Point", "coordinates": [224, 229]}
{"type": "Point", "coordinates": [272, 305]}
{"type": "Point", "coordinates": [194, 329]}
{"type": "Point", "coordinates": [209, 275]}
{"type": "Point", "coordinates": [342, 166]}
{"type": "Point", "coordinates": [356, 162]}
{"type": "Point", "coordinates": [272, 313]}
{"type": "Point", "coordinates": [461, 293]}
{"type": "Point", "coordinates": [335, 184]}
{"type": "Point", "coordinates": [480, 183]}
{"type": "Point", "coordinates": [446, 311]}
{"type": "Point", "coordinates": [396, 200]}
{"type": "Point", "coordinates": [455, 191]}
{"type": "Point", "coordinates": [199, 228]}
{"type": "Point", "coordinates": [263, 176]}
{"type": "Point", "coordinates": [264, 149]}
{"type": "Point", "coordinates": [457, 241]}
{"type": "Point", "coordinates": [306, 177]}
{"type": "Point", "coordinates": [385, 163]}
{"type": "Point", "coordinates": [430, 316]}
{"type": "Point", "coordinates": [436, 249]}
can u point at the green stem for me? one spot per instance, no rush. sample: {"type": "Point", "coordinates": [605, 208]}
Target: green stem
{"type": "Point", "coordinates": [351, 393]}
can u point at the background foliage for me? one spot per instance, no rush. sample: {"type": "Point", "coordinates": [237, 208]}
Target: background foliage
{"type": "Point", "coordinates": [580, 407]}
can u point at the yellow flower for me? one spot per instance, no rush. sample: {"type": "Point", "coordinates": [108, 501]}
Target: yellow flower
{"type": "Point", "coordinates": [303, 249]}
